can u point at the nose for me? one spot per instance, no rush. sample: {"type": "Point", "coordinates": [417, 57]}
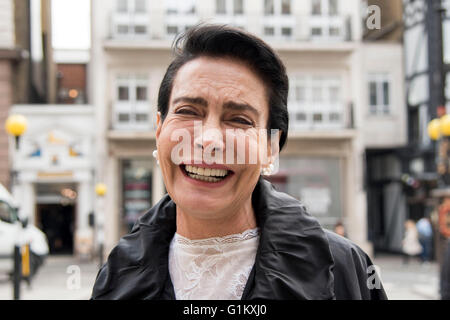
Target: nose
{"type": "Point", "coordinates": [210, 140]}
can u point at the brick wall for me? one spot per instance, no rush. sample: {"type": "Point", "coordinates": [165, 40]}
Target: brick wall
{"type": "Point", "coordinates": [71, 76]}
{"type": "Point", "coordinates": [5, 105]}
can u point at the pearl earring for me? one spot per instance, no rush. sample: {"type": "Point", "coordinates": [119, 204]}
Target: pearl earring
{"type": "Point", "coordinates": [155, 155]}
{"type": "Point", "coordinates": [268, 170]}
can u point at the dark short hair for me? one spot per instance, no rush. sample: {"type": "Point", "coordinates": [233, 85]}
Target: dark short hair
{"type": "Point", "coordinates": [225, 41]}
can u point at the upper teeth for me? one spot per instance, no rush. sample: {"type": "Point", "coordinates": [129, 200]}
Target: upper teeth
{"type": "Point", "coordinates": [206, 171]}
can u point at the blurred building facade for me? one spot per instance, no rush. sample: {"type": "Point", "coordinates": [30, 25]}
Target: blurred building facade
{"type": "Point", "coordinates": [8, 56]}
{"type": "Point", "coordinates": [346, 96]}
{"type": "Point", "coordinates": [385, 162]}
{"type": "Point", "coordinates": [52, 170]}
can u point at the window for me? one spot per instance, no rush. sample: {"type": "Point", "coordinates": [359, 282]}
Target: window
{"type": "Point", "coordinates": [136, 190]}
{"type": "Point", "coordinates": [122, 29]}
{"type": "Point", "coordinates": [131, 6]}
{"type": "Point", "coordinates": [379, 93]}
{"type": "Point", "coordinates": [230, 7]}
{"type": "Point", "coordinates": [122, 6]}
{"type": "Point", "coordinates": [221, 7]}
{"type": "Point", "coordinates": [130, 18]}
{"type": "Point", "coordinates": [269, 31]}
{"type": "Point", "coordinates": [316, 31]}
{"type": "Point", "coordinates": [316, 7]}
{"type": "Point", "coordinates": [324, 7]}
{"type": "Point", "coordinates": [140, 29]}
{"type": "Point", "coordinates": [286, 32]}
{"type": "Point", "coordinates": [300, 93]}
{"type": "Point", "coordinates": [277, 7]}
{"type": "Point", "coordinates": [140, 6]}
{"type": "Point", "coordinates": [325, 22]}
{"type": "Point", "coordinates": [238, 7]}
{"type": "Point", "coordinates": [317, 94]}
{"type": "Point", "coordinates": [141, 93]}
{"type": "Point", "coordinates": [281, 23]}
{"type": "Point", "coordinates": [172, 29]}
{"type": "Point", "coordinates": [300, 116]}
{"type": "Point", "coordinates": [268, 7]}
{"type": "Point", "coordinates": [316, 181]}
{"type": "Point", "coordinates": [285, 6]}
{"type": "Point", "coordinates": [335, 117]}
{"type": "Point", "coordinates": [332, 7]}
{"type": "Point", "coordinates": [334, 94]}
{"type": "Point", "coordinates": [317, 117]}
{"type": "Point", "coordinates": [334, 31]}
{"type": "Point", "coordinates": [180, 15]}
{"type": "Point", "coordinates": [123, 93]}
{"type": "Point", "coordinates": [6, 213]}
{"type": "Point", "coordinates": [131, 107]}
{"type": "Point", "coordinates": [181, 7]}
{"type": "Point", "coordinates": [315, 101]}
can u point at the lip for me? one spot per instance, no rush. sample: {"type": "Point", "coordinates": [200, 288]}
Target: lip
{"type": "Point", "coordinates": [206, 183]}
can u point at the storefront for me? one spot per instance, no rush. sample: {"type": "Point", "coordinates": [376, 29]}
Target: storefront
{"type": "Point", "coordinates": [136, 190]}
{"type": "Point", "coordinates": [53, 174]}
{"type": "Point", "coordinates": [316, 181]}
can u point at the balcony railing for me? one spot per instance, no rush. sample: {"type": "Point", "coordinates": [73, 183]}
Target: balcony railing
{"type": "Point", "coordinates": [291, 28]}
{"type": "Point", "coordinates": [331, 116]}
{"type": "Point", "coordinates": [133, 117]}
{"type": "Point", "coordinates": [129, 25]}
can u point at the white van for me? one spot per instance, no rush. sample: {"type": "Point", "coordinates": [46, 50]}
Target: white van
{"type": "Point", "coordinates": [13, 231]}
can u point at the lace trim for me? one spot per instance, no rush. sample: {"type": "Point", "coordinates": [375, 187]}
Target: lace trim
{"type": "Point", "coordinates": [232, 238]}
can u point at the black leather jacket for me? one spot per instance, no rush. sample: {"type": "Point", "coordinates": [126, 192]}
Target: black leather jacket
{"type": "Point", "coordinates": [296, 258]}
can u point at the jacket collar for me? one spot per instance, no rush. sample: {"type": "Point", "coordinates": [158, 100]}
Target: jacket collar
{"type": "Point", "coordinates": [293, 260]}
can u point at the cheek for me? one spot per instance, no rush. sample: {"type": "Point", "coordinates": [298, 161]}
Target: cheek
{"type": "Point", "coordinates": [249, 148]}
{"type": "Point", "coordinates": [174, 137]}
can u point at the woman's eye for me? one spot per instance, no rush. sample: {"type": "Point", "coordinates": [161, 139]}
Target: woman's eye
{"type": "Point", "coordinates": [186, 111]}
{"type": "Point", "coordinates": [242, 121]}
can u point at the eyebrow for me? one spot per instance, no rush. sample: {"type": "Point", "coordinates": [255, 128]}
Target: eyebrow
{"type": "Point", "coordinates": [194, 100]}
{"type": "Point", "coordinates": [231, 105]}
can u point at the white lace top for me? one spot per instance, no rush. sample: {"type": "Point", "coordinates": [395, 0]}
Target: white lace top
{"type": "Point", "coordinates": [212, 268]}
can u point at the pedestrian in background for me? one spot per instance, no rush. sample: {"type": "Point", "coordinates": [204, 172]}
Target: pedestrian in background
{"type": "Point", "coordinates": [410, 244]}
{"type": "Point", "coordinates": [340, 229]}
{"type": "Point", "coordinates": [425, 232]}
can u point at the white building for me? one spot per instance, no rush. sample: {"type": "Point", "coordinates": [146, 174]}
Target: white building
{"type": "Point", "coordinates": [345, 95]}
{"type": "Point", "coordinates": [54, 173]}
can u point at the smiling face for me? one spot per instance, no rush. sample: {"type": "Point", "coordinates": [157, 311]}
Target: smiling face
{"type": "Point", "coordinates": [215, 94]}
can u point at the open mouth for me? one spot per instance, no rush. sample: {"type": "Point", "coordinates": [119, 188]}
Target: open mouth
{"type": "Point", "coordinates": [205, 174]}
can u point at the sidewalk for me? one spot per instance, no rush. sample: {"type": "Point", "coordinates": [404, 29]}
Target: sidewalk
{"type": "Point", "coordinates": [413, 281]}
{"type": "Point", "coordinates": [66, 278]}
{"type": "Point", "coordinates": [60, 278]}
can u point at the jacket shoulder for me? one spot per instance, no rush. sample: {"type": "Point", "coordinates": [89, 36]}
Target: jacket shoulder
{"type": "Point", "coordinates": [355, 276]}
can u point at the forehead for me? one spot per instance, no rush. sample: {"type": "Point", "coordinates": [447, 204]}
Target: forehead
{"type": "Point", "coordinates": [219, 79]}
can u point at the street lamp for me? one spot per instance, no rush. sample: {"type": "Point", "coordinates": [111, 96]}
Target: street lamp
{"type": "Point", "coordinates": [16, 125]}
{"type": "Point", "coordinates": [100, 190]}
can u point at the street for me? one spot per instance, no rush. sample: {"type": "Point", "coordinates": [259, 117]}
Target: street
{"type": "Point", "coordinates": [67, 278]}
{"type": "Point", "coordinates": [413, 281]}
{"type": "Point", "coordinates": [60, 278]}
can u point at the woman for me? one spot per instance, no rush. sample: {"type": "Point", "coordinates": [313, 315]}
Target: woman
{"type": "Point", "coordinates": [223, 232]}
{"type": "Point", "coordinates": [410, 243]}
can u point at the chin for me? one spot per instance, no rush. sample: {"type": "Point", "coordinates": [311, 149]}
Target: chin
{"type": "Point", "coordinates": [201, 204]}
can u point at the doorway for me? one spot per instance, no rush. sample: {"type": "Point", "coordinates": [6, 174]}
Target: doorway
{"type": "Point", "coordinates": [57, 222]}
{"type": "Point", "coordinates": [56, 215]}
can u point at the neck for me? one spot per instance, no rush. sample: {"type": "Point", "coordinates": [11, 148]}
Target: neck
{"type": "Point", "coordinates": [193, 227]}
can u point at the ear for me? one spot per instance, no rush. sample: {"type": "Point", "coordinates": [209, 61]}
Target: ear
{"type": "Point", "coordinates": [273, 146]}
{"type": "Point", "coordinates": [158, 125]}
